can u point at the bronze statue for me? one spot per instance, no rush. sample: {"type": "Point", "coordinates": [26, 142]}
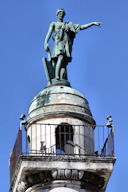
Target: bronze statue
{"type": "Point", "coordinates": [64, 34]}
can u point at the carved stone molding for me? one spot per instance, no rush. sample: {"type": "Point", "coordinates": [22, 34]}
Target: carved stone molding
{"type": "Point", "coordinates": [33, 179]}
{"type": "Point", "coordinates": [93, 180]}
{"type": "Point", "coordinates": [40, 177]}
{"type": "Point", "coordinates": [67, 174]}
{"type": "Point", "coordinates": [22, 186]}
{"type": "Point", "coordinates": [88, 180]}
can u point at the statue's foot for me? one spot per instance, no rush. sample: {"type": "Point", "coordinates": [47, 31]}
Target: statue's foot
{"type": "Point", "coordinates": [57, 78]}
{"type": "Point", "coordinates": [59, 81]}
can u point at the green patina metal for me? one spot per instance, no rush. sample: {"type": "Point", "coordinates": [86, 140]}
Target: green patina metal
{"type": "Point", "coordinates": [44, 96]}
{"type": "Point", "coordinates": [59, 101]}
{"type": "Point", "coordinates": [64, 34]}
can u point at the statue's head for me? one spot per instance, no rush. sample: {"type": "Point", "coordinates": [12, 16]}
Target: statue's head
{"type": "Point", "coordinates": [60, 13]}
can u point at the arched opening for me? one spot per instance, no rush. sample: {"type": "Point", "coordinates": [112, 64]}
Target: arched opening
{"type": "Point", "coordinates": [64, 139]}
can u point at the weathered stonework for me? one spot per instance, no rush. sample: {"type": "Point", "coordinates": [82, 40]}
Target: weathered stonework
{"type": "Point", "coordinates": [22, 186]}
{"type": "Point", "coordinates": [49, 172]}
{"type": "Point", "coordinates": [67, 174]}
{"type": "Point", "coordinates": [81, 171]}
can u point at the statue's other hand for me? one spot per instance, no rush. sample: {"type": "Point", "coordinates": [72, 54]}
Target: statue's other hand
{"type": "Point", "coordinates": [46, 47]}
{"type": "Point", "coordinates": [97, 24]}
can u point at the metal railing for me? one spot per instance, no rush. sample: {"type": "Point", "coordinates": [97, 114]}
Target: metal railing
{"type": "Point", "coordinates": [16, 152]}
{"type": "Point", "coordinates": [62, 140]}
{"type": "Point", "coordinates": [108, 147]}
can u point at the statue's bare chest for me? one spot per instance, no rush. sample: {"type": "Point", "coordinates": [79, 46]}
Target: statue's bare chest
{"type": "Point", "coordinates": [58, 26]}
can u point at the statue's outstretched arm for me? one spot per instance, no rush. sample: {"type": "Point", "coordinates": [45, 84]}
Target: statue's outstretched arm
{"type": "Point", "coordinates": [46, 46]}
{"type": "Point", "coordinates": [82, 27]}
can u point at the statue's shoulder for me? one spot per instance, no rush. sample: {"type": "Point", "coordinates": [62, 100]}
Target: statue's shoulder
{"type": "Point", "coordinates": [53, 24]}
{"type": "Point", "coordinates": [68, 23]}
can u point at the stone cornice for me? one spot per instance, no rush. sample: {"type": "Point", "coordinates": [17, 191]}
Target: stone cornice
{"type": "Point", "coordinates": [27, 165]}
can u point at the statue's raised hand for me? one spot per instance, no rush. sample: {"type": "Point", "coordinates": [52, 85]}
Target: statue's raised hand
{"type": "Point", "coordinates": [46, 47]}
{"type": "Point", "coordinates": [97, 24]}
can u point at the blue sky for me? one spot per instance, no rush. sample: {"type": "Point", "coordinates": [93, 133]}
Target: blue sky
{"type": "Point", "coordinates": [98, 69]}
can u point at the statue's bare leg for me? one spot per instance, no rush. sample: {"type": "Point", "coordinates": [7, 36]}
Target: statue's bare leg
{"type": "Point", "coordinates": [58, 66]}
{"type": "Point", "coordinates": [63, 73]}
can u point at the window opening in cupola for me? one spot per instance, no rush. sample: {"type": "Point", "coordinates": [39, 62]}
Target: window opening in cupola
{"type": "Point", "coordinates": [64, 139]}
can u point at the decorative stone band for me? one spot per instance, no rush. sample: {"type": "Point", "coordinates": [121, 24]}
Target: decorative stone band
{"type": "Point", "coordinates": [60, 178]}
{"type": "Point", "coordinates": [22, 186]}
{"type": "Point", "coordinates": [67, 174]}
{"type": "Point", "coordinates": [75, 114]}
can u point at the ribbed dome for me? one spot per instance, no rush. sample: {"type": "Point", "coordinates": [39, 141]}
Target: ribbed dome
{"type": "Point", "coordinates": [58, 100]}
